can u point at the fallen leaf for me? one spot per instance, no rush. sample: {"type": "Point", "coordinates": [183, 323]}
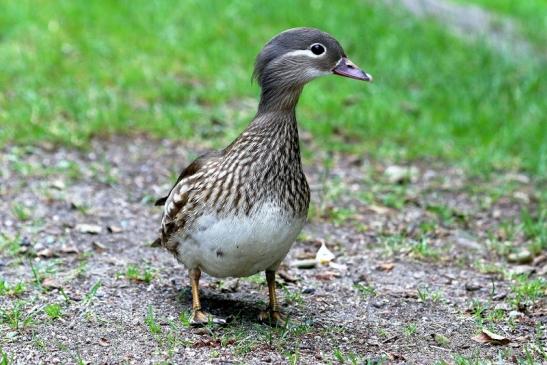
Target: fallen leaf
{"type": "Point", "coordinates": [103, 342]}
{"type": "Point", "coordinates": [69, 249]}
{"type": "Point", "coordinates": [385, 266]}
{"type": "Point", "coordinates": [378, 209]}
{"type": "Point", "coordinates": [287, 277]}
{"type": "Point", "coordinates": [46, 252]}
{"type": "Point", "coordinates": [411, 294]}
{"type": "Point", "coordinates": [303, 255]}
{"type": "Point", "coordinates": [97, 246]}
{"type": "Point", "coordinates": [487, 336]}
{"type": "Point", "coordinates": [50, 283]}
{"type": "Point", "coordinates": [324, 255]}
{"type": "Point", "coordinates": [206, 343]}
{"type": "Point", "coordinates": [114, 229]}
{"type": "Point", "coordinates": [326, 275]}
{"type": "Point", "coordinates": [540, 259]}
{"type": "Point", "coordinates": [395, 356]}
{"type": "Point", "coordinates": [89, 228]}
{"type": "Point", "coordinates": [58, 184]}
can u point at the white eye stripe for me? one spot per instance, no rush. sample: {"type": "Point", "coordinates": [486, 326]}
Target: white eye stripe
{"type": "Point", "coordinates": [307, 52]}
{"type": "Point", "coordinates": [302, 52]}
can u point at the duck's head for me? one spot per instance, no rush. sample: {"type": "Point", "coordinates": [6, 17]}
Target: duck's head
{"type": "Point", "coordinates": [297, 56]}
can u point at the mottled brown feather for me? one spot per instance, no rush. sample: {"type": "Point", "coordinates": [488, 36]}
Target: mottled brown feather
{"type": "Point", "coordinates": [189, 170]}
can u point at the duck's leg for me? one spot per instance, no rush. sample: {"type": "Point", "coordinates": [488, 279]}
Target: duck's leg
{"type": "Point", "coordinates": [199, 317]}
{"type": "Point", "coordinates": [273, 314]}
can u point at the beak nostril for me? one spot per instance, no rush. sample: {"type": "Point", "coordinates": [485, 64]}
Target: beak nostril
{"type": "Point", "coordinates": [350, 66]}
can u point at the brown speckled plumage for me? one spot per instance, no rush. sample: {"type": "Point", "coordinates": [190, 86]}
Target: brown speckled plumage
{"type": "Point", "coordinates": [238, 211]}
{"type": "Point", "coordinates": [263, 163]}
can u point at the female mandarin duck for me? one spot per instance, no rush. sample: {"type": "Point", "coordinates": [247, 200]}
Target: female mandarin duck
{"type": "Point", "coordinates": [237, 211]}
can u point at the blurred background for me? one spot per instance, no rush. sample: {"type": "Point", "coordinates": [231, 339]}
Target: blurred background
{"type": "Point", "coordinates": [467, 88]}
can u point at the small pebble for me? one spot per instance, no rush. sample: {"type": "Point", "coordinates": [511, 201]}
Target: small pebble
{"type": "Point", "coordinates": [522, 269]}
{"type": "Point", "coordinates": [89, 228]}
{"type": "Point", "coordinates": [502, 306]}
{"type": "Point", "coordinates": [521, 257]}
{"type": "Point", "coordinates": [114, 229]}
{"type": "Point", "coordinates": [472, 286]}
{"type": "Point", "coordinates": [25, 241]}
{"type": "Point", "coordinates": [202, 331]}
{"type": "Point", "coordinates": [378, 303]}
{"type": "Point", "coordinates": [305, 264]}
{"type": "Point", "coordinates": [401, 174]}
{"type": "Point", "coordinates": [499, 296]}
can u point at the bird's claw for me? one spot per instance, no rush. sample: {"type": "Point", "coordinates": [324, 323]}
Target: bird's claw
{"type": "Point", "coordinates": [272, 317]}
{"type": "Point", "coordinates": [201, 318]}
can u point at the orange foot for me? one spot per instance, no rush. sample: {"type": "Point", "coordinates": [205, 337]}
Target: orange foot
{"type": "Point", "coordinates": [201, 318]}
{"type": "Point", "coordinates": [273, 318]}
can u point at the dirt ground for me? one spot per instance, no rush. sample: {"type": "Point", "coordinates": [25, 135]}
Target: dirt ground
{"type": "Point", "coordinates": [426, 258]}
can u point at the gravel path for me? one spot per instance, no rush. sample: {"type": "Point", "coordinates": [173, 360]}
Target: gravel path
{"type": "Point", "coordinates": [420, 266]}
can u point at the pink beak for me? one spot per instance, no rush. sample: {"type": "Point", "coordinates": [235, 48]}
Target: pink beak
{"type": "Point", "coordinates": [347, 68]}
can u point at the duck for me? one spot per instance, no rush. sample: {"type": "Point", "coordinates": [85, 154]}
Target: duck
{"type": "Point", "coordinates": [237, 211]}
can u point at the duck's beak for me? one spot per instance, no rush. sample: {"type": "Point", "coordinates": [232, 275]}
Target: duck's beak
{"type": "Point", "coordinates": [347, 68]}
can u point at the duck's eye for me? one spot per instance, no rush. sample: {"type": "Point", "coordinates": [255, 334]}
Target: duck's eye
{"type": "Point", "coordinates": [317, 49]}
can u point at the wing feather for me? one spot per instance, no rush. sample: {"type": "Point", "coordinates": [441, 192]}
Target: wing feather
{"type": "Point", "coordinates": [179, 194]}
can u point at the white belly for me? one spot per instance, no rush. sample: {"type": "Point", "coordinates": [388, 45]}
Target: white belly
{"type": "Point", "coordinates": [240, 246]}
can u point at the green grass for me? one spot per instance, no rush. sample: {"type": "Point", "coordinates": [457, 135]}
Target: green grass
{"type": "Point", "coordinates": [410, 329]}
{"type": "Point", "coordinates": [150, 320]}
{"type": "Point", "coordinates": [530, 15]}
{"type": "Point", "coordinates": [366, 291]}
{"type": "Point", "coordinates": [20, 212]}
{"type": "Point", "coordinates": [77, 69]}
{"type": "Point", "coordinates": [526, 289]}
{"type": "Point", "coordinates": [12, 290]}
{"type": "Point", "coordinates": [53, 310]}
{"type": "Point", "coordinates": [16, 316]}
{"type": "Point", "coordinates": [135, 274]}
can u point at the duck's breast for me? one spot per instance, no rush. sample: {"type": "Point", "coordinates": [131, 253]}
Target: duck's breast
{"type": "Point", "coordinates": [240, 245]}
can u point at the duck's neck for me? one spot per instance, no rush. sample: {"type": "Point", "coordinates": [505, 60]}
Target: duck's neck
{"type": "Point", "coordinates": [280, 100]}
